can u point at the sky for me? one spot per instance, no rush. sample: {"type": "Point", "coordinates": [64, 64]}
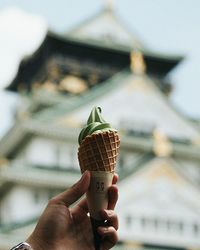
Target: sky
{"type": "Point", "coordinates": [167, 27]}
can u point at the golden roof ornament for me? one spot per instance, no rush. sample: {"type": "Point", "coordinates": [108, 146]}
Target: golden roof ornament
{"type": "Point", "coordinates": [3, 162]}
{"type": "Point", "coordinates": [196, 141]}
{"type": "Point", "coordinates": [162, 146]}
{"type": "Point", "coordinates": [36, 86]}
{"type": "Point", "coordinates": [138, 65]}
{"type": "Point", "coordinates": [69, 121]}
{"type": "Point", "coordinates": [49, 86]}
{"type": "Point", "coordinates": [109, 4]}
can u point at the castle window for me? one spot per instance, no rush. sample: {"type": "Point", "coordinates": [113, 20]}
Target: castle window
{"type": "Point", "coordinates": [143, 222]}
{"type": "Point", "coordinates": [129, 221]}
{"type": "Point", "coordinates": [57, 156]}
{"type": "Point", "coordinates": [136, 128]}
{"type": "Point", "coordinates": [181, 226]}
{"type": "Point", "coordinates": [196, 228]}
{"type": "Point", "coordinates": [156, 223]}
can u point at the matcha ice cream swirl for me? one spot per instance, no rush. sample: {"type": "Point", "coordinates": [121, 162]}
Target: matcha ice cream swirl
{"type": "Point", "coordinates": [95, 124]}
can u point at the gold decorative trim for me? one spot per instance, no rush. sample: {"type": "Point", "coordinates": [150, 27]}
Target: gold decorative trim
{"type": "Point", "coordinates": [109, 4]}
{"type": "Point", "coordinates": [138, 65]}
{"type": "Point", "coordinates": [3, 162]}
{"type": "Point", "coordinates": [162, 146]}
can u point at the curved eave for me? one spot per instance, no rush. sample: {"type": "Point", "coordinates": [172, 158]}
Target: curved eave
{"type": "Point", "coordinates": [53, 42]}
{"type": "Point", "coordinates": [32, 176]}
{"type": "Point", "coordinates": [129, 143]}
{"type": "Point", "coordinates": [160, 65]}
{"type": "Point", "coordinates": [157, 64]}
{"type": "Point", "coordinates": [116, 47]}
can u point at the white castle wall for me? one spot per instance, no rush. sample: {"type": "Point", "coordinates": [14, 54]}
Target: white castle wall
{"type": "Point", "coordinates": [160, 207]}
{"type": "Point", "coordinates": [178, 229]}
{"type": "Point", "coordinates": [25, 202]}
{"type": "Point", "coordinates": [22, 203]}
{"type": "Point", "coordinates": [48, 153]}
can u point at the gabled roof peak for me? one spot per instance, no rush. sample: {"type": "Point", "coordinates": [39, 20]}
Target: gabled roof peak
{"type": "Point", "coordinates": [105, 28]}
{"type": "Point", "coordinates": [108, 5]}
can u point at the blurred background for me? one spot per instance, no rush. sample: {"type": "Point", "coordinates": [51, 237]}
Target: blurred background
{"type": "Point", "coordinates": [139, 61]}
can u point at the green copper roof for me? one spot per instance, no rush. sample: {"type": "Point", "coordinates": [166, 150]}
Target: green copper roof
{"type": "Point", "coordinates": [74, 102]}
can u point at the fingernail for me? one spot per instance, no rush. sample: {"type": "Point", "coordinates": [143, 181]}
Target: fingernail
{"type": "Point", "coordinates": [84, 174]}
{"type": "Point", "coordinates": [108, 213]}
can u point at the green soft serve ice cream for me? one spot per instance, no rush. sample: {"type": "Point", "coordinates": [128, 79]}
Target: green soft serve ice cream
{"type": "Point", "coordinates": [95, 124]}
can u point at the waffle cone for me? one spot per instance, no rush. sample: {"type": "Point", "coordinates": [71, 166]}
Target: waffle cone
{"type": "Point", "coordinates": [99, 151]}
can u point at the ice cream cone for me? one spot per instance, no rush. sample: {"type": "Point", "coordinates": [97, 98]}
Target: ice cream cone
{"type": "Point", "coordinates": [98, 151]}
{"type": "Point", "coordinates": [98, 154]}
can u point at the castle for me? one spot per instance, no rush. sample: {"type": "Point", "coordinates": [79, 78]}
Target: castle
{"type": "Point", "coordinates": [101, 63]}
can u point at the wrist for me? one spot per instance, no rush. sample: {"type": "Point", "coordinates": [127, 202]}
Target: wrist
{"type": "Point", "coordinates": [35, 244]}
{"type": "Point", "coordinates": [22, 246]}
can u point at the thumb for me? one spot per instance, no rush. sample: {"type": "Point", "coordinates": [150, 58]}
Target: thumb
{"type": "Point", "coordinates": [71, 195]}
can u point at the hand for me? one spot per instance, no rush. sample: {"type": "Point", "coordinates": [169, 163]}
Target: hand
{"type": "Point", "coordinates": [64, 228]}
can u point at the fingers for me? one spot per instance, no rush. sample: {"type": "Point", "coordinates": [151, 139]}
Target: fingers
{"type": "Point", "coordinates": [81, 206]}
{"type": "Point", "coordinates": [109, 235]}
{"type": "Point", "coordinates": [111, 218]}
{"type": "Point", "coordinates": [113, 193]}
{"type": "Point", "coordinates": [71, 195]}
{"type": "Point", "coordinates": [112, 197]}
